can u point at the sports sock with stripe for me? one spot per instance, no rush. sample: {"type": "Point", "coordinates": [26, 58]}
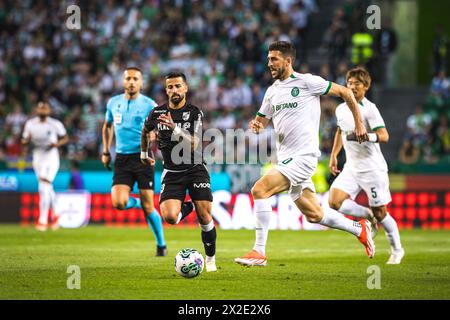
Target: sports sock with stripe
{"type": "Point", "coordinates": [186, 209]}
{"type": "Point", "coordinates": [209, 237]}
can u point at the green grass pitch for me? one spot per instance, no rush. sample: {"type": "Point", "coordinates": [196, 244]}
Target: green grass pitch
{"type": "Point", "coordinates": [119, 263]}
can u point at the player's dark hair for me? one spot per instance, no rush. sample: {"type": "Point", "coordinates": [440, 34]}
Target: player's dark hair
{"type": "Point", "coordinates": [176, 74]}
{"type": "Point", "coordinates": [286, 48]}
{"type": "Point", "coordinates": [134, 68]}
{"type": "Point", "coordinates": [361, 74]}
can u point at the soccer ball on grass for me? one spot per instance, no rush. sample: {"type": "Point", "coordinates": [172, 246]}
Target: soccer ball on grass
{"type": "Point", "coordinates": [189, 263]}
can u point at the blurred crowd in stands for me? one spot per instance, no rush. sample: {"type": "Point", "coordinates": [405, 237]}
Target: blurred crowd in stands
{"type": "Point", "coordinates": [220, 45]}
{"type": "Point", "coordinates": [428, 130]}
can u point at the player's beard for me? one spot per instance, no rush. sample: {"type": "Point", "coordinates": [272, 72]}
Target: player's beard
{"type": "Point", "coordinates": [131, 92]}
{"type": "Point", "coordinates": [279, 73]}
{"type": "Point", "coordinates": [176, 99]}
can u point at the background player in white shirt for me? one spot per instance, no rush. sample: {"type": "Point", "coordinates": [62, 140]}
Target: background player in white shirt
{"type": "Point", "coordinates": [293, 105]}
{"type": "Point", "coordinates": [46, 135]}
{"type": "Point", "coordinates": [365, 167]}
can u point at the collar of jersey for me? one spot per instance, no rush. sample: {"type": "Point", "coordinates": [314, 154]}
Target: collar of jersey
{"type": "Point", "coordinates": [292, 76]}
{"type": "Point", "coordinates": [169, 108]}
{"type": "Point", "coordinates": [130, 100]}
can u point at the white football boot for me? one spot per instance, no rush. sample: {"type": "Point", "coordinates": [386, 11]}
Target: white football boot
{"type": "Point", "coordinates": [396, 256]}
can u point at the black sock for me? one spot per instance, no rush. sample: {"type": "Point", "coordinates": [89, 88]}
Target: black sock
{"type": "Point", "coordinates": [209, 242]}
{"type": "Point", "coordinates": [186, 209]}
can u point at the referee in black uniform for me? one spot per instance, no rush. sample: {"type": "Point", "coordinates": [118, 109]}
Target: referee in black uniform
{"type": "Point", "coordinates": [179, 126]}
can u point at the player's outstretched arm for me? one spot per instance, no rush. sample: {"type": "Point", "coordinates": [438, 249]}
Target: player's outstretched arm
{"type": "Point", "coordinates": [347, 95]}
{"type": "Point", "coordinates": [337, 146]}
{"type": "Point", "coordinates": [258, 124]}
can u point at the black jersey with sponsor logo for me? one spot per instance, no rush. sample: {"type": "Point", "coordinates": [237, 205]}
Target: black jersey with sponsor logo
{"type": "Point", "coordinates": [176, 155]}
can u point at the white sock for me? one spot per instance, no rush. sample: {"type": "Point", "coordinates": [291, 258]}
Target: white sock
{"type": "Point", "coordinates": [392, 234]}
{"type": "Point", "coordinates": [353, 209]}
{"type": "Point", "coordinates": [44, 202]}
{"type": "Point", "coordinates": [207, 227]}
{"type": "Point", "coordinates": [52, 196]}
{"type": "Point", "coordinates": [333, 219]}
{"type": "Point", "coordinates": [263, 211]}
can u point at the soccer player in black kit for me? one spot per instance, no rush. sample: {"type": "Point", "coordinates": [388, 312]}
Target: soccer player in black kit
{"type": "Point", "coordinates": [179, 127]}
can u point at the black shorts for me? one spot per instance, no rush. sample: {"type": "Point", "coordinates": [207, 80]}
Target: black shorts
{"type": "Point", "coordinates": [195, 180]}
{"type": "Point", "coordinates": [128, 169]}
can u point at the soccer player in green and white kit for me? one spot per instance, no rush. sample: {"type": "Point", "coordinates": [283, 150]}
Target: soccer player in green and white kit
{"type": "Point", "coordinates": [365, 168]}
{"type": "Point", "coordinates": [293, 105]}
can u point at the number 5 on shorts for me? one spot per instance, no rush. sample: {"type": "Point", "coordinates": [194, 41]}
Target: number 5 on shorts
{"type": "Point", "coordinates": [374, 193]}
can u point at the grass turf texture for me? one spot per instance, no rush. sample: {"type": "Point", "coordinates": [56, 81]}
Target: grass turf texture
{"type": "Point", "coordinates": [119, 263]}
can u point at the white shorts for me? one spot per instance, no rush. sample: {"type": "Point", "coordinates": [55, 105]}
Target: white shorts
{"type": "Point", "coordinates": [299, 171]}
{"type": "Point", "coordinates": [46, 165]}
{"type": "Point", "coordinates": [374, 183]}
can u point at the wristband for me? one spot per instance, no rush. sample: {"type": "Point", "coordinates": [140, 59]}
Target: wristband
{"type": "Point", "coordinates": [176, 130]}
{"type": "Point", "coordinates": [106, 154]}
{"type": "Point", "coordinates": [372, 137]}
{"type": "Point", "coordinates": [144, 155]}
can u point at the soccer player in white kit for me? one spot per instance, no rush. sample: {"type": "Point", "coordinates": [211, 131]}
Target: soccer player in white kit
{"type": "Point", "coordinates": [293, 105]}
{"type": "Point", "coordinates": [46, 135]}
{"type": "Point", "coordinates": [365, 167]}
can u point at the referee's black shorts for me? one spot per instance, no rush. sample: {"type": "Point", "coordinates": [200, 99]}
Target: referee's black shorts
{"type": "Point", "coordinates": [196, 180]}
{"type": "Point", "coordinates": [128, 169]}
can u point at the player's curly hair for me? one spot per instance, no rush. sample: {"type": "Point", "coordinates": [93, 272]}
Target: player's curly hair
{"type": "Point", "coordinates": [361, 74]}
{"type": "Point", "coordinates": [286, 48]}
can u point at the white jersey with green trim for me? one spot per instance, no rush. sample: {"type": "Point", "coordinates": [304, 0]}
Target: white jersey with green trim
{"type": "Point", "coordinates": [294, 107]}
{"type": "Point", "coordinates": [366, 156]}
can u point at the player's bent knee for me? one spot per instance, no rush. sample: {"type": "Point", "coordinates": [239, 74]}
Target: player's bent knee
{"type": "Point", "coordinates": [170, 219]}
{"type": "Point", "coordinates": [204, 219]}
{"type": "Point", "coordinates": [259, 191]}
{"type": "Point", "coordinates": [119, 204]}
